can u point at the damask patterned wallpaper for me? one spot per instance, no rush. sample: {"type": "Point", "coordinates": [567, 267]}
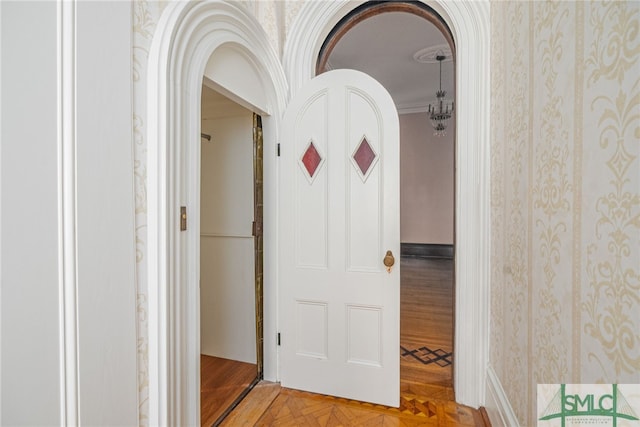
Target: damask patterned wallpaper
{"type": "Point", "coordinates": [565, 299]}
{"type": "Point", "coordinates": [565, 291]}
{"type": "Point", "coordinates": [145, 15]}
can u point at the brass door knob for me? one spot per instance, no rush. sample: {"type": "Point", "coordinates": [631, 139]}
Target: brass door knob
{"type": "Point", "coordinates": [389, 260]}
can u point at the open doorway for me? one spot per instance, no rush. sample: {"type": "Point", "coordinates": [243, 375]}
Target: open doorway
{"type": "Point", "coordinates": [405, 63]}
{"type": "Point", "coordinates": [174, 86]}
{"type": "Point", "coordinates": [231, 266]}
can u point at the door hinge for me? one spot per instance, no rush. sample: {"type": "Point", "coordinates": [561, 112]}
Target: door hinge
{"type": "Point", "coordinates": [256, 229]}
{"type": "Point", "coordinates": [278, 338]}
{"type": "Point", "coordinates": [278, 149]}
{"type": "Point", "coordinates": [183, 218]}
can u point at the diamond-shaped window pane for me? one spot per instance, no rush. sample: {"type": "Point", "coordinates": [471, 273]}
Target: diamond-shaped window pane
{"type": "Point", "coordinates": [311, 159]}
{"type": "Point", "coordinates": [364, 156]}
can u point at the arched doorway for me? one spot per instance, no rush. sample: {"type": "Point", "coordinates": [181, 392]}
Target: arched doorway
{"type": "Point", "coordinates": [187, 35]}
{"type": "Point", "coordinates": [368, 39]}
{"type": "Point", "coordinates": [469, 25]}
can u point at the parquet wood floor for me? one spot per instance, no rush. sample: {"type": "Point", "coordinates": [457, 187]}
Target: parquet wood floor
{"type": "Point", "coordinates": [221, 382]}
{"type": "Point", "coordinates": [427, 397]}
{"type": "Point", "coordinates": [298, 408]}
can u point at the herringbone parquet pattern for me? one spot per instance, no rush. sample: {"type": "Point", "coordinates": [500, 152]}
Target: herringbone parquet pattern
{"type": "Point", "coordinates": [427, 397]}
{"type": "Point", "coordinates": [299, 408]}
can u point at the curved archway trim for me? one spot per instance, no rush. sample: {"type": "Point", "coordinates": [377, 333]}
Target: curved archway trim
{"type": "Point", "coordinates": [186, 36]}
{"type": "Point", "coordinates": [469, 25]}
{"type": "Point", "coordinates": [370, 9]}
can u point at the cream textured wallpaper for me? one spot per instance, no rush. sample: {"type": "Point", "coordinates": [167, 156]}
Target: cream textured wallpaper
{"type": "Point", "coordinates": [145, 15]}
{"type": "Point", "coordinates": [565, 299]}
{"type": "Point", "coordinates": [565, 279]}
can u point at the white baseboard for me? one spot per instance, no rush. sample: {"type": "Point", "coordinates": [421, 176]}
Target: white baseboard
{"type": "Point", "coordinates": [497, 403]}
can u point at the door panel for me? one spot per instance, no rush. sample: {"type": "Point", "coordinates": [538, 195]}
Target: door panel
{"type": "Point", "coordinates": [339, 214]}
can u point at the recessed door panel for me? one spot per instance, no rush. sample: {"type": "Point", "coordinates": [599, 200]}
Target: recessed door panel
{"type": "Point", "coordinates": [364, 335]}
{"type": "Point", "coordinates": [311, 181]}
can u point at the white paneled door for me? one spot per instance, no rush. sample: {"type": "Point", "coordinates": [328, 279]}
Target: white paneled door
{"type": "Point", "coordinates": [339, 216]}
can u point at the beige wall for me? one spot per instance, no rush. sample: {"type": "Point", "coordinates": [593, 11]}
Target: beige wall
{"type": "Point", "coordinates": [426, 182]}
{"type": "Point", "coordinates": [565, 283]}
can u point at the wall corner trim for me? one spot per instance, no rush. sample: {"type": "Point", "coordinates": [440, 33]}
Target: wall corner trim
{"type": "Point", "coordinates": [498, 406]}
{"type": "Point", "coordinates": [67, 211]}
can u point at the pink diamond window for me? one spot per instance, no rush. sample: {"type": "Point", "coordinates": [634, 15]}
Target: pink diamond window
{"type": "Point", "coordinates": [311, 159]}
{"type": "Point", "coordinates": [364, 156]}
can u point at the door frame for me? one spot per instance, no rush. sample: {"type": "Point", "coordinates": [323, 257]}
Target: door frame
{"type": "Point", "coordinates": [186, 36]}
{"type": "Point", "coordinates": [469, 23]}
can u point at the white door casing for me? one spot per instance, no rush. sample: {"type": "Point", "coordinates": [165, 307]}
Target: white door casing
{"type": "Point", "coordinates": [186, 35]}
{"type": "Point", "coordinates": [339, 311]}
{"type": "Point", "coordinates": [469, 24]}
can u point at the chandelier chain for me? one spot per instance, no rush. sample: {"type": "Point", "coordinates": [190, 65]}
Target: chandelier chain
{"type": "Point", "coordinates": [440, 113]}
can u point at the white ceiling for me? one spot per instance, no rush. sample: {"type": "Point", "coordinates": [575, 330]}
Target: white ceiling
{"type": "Point", "coordinates": [382, 46]}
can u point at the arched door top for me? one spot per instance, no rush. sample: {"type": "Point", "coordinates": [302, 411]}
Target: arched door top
{"type": "Point", "coordinates": [470, 30]}
{"type": "Point", "coordinates": [370, 9]}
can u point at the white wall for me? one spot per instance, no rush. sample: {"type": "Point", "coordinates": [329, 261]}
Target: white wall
{"type": "Point", "coordinates": [30, 336]}
{"type": "Point", "coordinates": [105, 232]}
{"type": "Point", "coordinates": [426, 182]}
{"type": "Point", "coordinates": [227, 306]}
{"type": "Point", "coordinates": [96, 245]}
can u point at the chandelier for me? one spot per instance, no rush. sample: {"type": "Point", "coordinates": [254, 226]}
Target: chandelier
{"type": "Point", "coordinates": [440, 111]}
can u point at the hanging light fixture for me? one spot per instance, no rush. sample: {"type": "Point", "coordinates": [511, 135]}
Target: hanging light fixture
{"type": "Point", "coordinates": [440, 112]}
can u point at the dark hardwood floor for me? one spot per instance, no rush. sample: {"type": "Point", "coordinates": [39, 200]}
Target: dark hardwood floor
{"type": "Point", "coordinates": [221, 382]}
